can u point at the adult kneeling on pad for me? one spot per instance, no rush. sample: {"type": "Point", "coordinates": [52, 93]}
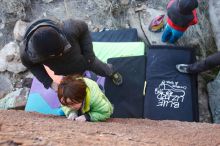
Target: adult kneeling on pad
{"type": "Point", "coordinates": [65, 47]}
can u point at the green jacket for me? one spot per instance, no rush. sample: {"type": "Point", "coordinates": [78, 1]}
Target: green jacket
{"type": "Point", "coordinates": [96, 104]}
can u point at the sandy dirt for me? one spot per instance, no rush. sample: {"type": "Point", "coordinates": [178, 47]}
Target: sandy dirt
{"type": "Point", "coordinates": [22, 128]}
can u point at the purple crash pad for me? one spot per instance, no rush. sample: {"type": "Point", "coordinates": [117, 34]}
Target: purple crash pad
{"type": "Point", "coordinates": [98, 79]}
{"type": "Point", "coordinates": [49, 95]}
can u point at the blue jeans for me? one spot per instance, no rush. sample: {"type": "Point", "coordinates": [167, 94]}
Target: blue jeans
{"type": "Point", "coordinates": [171, 35]}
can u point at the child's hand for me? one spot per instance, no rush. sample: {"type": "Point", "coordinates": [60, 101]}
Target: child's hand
{"type": "Point", "coordinates": [72, 116]}
{"type": "Point", "coordinates": [81, 118]}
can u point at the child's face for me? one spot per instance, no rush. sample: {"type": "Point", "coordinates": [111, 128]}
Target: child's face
{"type": "Point", "coordinates": [75, 106]}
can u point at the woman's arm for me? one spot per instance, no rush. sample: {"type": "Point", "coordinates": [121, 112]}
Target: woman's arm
{"type": "Point", "coordinates": [101, 108]}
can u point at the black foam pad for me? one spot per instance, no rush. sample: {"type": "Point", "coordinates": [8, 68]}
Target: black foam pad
{"type": "Point", "coordinates": [128, 99]}
{"type": "Point", "coordinates": [121, 35]}
{"type": "Point", "coordinates": [170, 94]}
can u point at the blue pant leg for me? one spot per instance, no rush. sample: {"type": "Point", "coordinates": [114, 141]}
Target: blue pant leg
{"type": "Point", "coordinates": [175, 35]}
{"type": "Point", "coordinates": [166, 34]}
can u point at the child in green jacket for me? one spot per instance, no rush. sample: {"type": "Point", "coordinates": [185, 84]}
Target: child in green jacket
{"type": "Point", "coordinates": [83, 100]}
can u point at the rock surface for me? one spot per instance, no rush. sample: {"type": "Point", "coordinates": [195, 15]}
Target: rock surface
{"type": "Point", "coordinates": [10, 59]}
{"type": "Point", "coordinates": [19, 30]}
{"type": "Point", "coordinates": [214, 11]}
{"type": "Point", "coordinates": [5, 85]}
{"type": "Point", "coordinates": [10, 12]}
{"type": "Point", "coordinates": [35, 129]}
{"type": "Point", "coordinates": [214, 98]}
{"type": "Point", "coordinates": [15, 100]}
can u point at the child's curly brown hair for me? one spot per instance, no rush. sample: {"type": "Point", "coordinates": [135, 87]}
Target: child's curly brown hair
{"type": "Point", "coordinates": [72, 88]}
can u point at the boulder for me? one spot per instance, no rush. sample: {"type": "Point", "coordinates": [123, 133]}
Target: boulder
{"type": "Point", "coordinates": [10, 59]}
{"type": "Point", "coordinates": [10, 12]}
{"type": "Point", "coordinates": [5, 85]}
{"type": "Point", "coordinates": [214, 98]}
{"type": "Point", "coordinates": [19, 30]}
{"type": "Point", "coordinates": [16, 99]}
{"type": "Point", "coordinates": [214, 11]}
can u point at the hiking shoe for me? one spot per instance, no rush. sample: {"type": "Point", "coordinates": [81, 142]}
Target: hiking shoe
{"type": "Point", "coordinates": [183, 68]}
{"type": "Point", "coordinates": [117, 78]}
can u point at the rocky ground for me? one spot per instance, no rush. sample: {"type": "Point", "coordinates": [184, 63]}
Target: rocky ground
{"type": "Point", "coordinates": [22, 128]}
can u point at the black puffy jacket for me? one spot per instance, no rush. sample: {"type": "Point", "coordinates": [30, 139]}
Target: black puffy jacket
{"type": "Point", "coordinates": [76, 60]}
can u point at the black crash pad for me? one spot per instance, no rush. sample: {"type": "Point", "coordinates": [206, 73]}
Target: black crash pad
{"type": "Point", "coordinates": [170, 95]}
{"type": "Point", "coordinates": [121, 35]}
{"type": "Point", "coordinates": [128, 99]}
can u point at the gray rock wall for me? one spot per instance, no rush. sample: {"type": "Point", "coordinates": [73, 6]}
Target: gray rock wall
{"type": "Point", "coordinates": [105, 13]}
{"type": "Point", "coordinates": [10, 12]}
{"type": "Point", "coordinates": [214, 12]}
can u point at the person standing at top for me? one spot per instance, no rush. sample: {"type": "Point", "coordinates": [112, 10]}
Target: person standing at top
{"type": "Point", "coordinates": [65, 47]}
{"type": "Point", "coordinates": [180, 15]}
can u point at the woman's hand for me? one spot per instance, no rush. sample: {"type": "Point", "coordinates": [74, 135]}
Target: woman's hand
{"type": "Point", "coordinates": [81, 118]}
{"type": "Point", "coordinates": [54, 86]}
{"type": "Point", "coordinates": [72, 116]}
